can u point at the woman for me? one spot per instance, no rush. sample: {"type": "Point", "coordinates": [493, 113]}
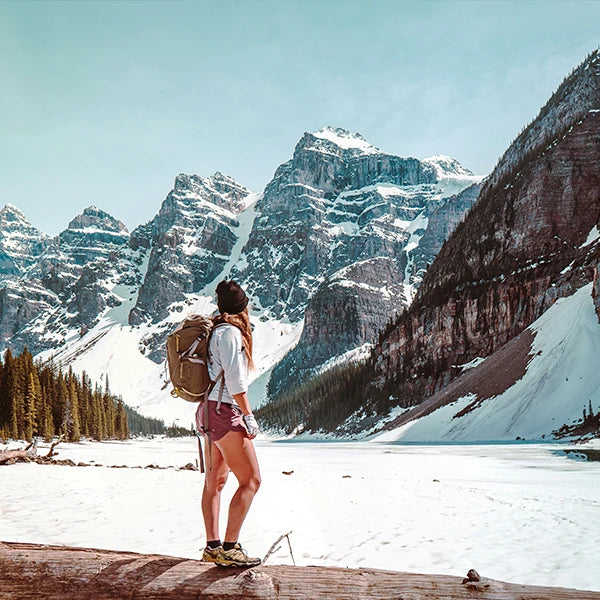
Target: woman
{"type": "Point", "coordinates": [231, 426]}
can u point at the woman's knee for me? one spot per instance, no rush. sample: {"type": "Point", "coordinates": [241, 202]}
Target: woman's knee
{"type": "Point", "coordinates": [216, 483]}
{"type": "Point", "coordinates": [253, 483]}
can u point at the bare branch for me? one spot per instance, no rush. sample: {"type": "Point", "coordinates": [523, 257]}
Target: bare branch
{"type": "Point", "coordinates": [274, 547]}
{"type": "Point", "coordinates": [54, 444]}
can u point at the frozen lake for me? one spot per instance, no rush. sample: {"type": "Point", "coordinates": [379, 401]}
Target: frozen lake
{"type": "Point", "coordinates": [522, 513]}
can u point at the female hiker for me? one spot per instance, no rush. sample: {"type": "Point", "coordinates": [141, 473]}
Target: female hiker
{"type": "Point", "coordinates": [231, 426]}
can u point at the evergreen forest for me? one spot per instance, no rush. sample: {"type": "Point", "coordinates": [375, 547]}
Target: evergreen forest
{"type": "Point", "coordinates": [325, 401]}
{"type": "Point", "coordinates": [41, 400]}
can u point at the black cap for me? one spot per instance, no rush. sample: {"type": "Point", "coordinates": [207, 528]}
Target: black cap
{"type": "Point", "coordinates": [231, 298]}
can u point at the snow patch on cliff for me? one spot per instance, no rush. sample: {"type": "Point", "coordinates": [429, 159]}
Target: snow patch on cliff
{"type": "Point", "coordinates": [345, 139]}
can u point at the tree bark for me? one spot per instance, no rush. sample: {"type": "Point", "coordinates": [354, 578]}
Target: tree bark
{"type": "Point", "coordinates": [61, 573]}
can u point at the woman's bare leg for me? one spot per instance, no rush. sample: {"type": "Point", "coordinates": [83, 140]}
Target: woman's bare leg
{"type": "Point", "coordinates": [214, 481]}
{"type": "Point", "coordinates": [238, 452]}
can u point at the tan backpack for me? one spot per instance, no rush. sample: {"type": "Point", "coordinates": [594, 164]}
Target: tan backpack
{"type": "Point", "coordinates": [187, 358]}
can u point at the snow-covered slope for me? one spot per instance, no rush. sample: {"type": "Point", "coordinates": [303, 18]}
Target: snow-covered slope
{"type": "Point", "coordinates": [560, 379]}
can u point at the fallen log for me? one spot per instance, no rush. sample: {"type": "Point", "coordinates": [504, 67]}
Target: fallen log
{"type": "Point", "coordinates": [62, 573]}
{"type": "Point", "coordinates": [24, 455]}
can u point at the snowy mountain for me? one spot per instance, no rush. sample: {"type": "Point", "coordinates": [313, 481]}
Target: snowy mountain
{"type": "Point", "coordinates": [336, 239]}
{"type": "Point", "coordinates": [340, 224]}
{"type": "Point", "coordinates": [191, 241]}
{"type": "Point", "coordinates": [91, 235]}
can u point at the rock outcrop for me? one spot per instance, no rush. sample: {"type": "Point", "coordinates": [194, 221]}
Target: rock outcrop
{"type": "Point", "coordinates": [596, 290]}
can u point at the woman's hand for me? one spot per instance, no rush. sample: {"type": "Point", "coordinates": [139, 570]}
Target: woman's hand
{"type": "Point", "coordinates": [251, 426]}
{"type": "Point", "coordinates": [249, 420]}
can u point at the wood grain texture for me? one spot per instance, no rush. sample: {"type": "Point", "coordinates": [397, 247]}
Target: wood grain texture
{"type": "Point", "coordinates": [56, 572]}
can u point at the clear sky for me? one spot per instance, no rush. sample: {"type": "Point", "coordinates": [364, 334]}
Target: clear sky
{"type": "Point", "coordinates": [105, 102]}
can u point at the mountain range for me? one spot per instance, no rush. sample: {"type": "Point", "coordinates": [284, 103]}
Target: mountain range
{"type": "Point", "coordinates": [338, 243]}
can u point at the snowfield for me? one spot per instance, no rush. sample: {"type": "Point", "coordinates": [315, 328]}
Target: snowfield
{"type": "Point", "coordinates": [522, 513]}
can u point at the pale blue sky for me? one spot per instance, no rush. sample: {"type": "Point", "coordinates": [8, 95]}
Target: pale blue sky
{"type": "Point", "coordinates": [106, 102]}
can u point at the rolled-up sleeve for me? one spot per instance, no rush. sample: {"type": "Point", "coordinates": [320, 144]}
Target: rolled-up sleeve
{"type": "Point", "coordinates": [233, 361]}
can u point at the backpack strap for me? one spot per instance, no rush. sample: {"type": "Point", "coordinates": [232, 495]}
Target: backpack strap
{"type": "Point", "coordinates": [221, 374]}
{"type": "Point", "coordinates": [220, 400]}
{"type": "Point", "coordinates": [206, 417]}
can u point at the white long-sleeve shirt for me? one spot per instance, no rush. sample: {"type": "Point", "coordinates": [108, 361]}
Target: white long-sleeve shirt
{"type": "Point", "coordinates": [226, 352]}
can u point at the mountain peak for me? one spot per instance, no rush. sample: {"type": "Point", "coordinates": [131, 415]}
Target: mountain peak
{"type": "Point", "coordinates": [218, 188]}
{"type": "Point", "coordinates": [345, 139]}
{"type": "Point", "coordinates": [96, 218]}
{"type": "Point", "coordinates": [21, 243]}
{"type": "Point", "coordinates": [446, 166]}
{"type": "Point", "coordinates": [12, 210]}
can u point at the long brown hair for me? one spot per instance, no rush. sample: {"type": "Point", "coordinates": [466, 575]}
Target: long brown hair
{"type": "Point", "coordinates": [242, 322]}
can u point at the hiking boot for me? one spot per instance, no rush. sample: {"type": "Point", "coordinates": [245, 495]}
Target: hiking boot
{"type": "Point", "coordinates": [236, 557]}
{"type": "Point", "coordinates": [211, 554]}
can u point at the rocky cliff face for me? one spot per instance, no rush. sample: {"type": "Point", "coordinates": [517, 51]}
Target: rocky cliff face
{"type": "Point", "coordinates": [339, 200]}
{"type": "Point", "coordinates": [356, 301]}
{"type": "Point", "coordinates": [528, 241]}
{"type": "Point", "coordinates": [442, 220]}
{"type": "Point", "coordinates": [346, 312]}
{"type": "Point", "coordinates": [21, 303]}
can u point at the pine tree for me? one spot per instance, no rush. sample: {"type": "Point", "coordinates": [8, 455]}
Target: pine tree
{"type": "Point", "coordinates": [31, 402]}
{"type": "Point", "coordinates": [62, 406]}
{"type": "Point", "coordinates": [48, 430]}
{"type": "Point", "coordinates": [73, 427]}
{"type": "Point", "coordinates": [121, 427]}
{"type": "Point", "coordinates": [17, 406]}
{"type": "Point", "coordinates": [97, 432]}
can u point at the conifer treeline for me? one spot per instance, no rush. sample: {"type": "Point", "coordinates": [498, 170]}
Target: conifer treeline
{"type": "Point", "coordinates": [41, 400]}
{"type": "Point", "coordinates": [325, 401]}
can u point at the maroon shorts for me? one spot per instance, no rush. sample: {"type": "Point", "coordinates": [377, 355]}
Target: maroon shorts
{"type": "Point", "coordinates": [229, 418]}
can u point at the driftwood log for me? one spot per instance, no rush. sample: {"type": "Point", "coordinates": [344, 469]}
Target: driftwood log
{"type": "Point", "coordinates": [56, 572]}
{"type": "Point", "coordinates": [24, 455]}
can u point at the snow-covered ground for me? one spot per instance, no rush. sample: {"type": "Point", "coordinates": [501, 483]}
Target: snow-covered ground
{"type": "Point", "coordinates": [522, 513]}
